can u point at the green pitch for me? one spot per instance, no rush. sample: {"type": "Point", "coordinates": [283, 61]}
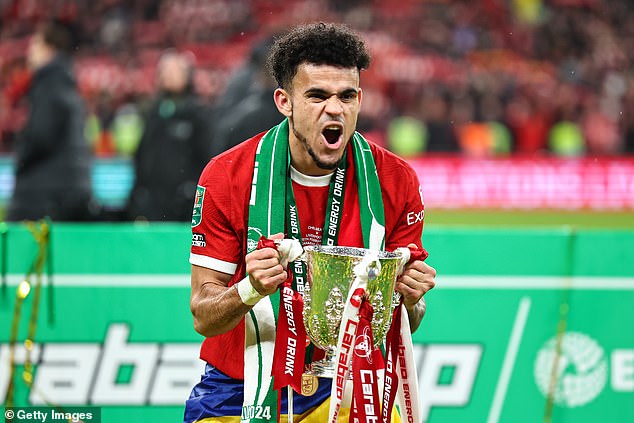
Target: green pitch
{"type": "Point", "coordinates": [580, 219]}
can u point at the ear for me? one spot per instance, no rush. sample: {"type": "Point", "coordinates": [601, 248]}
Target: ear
{"type": "Point", "coordinates": [283, 102]}
{"type": "Point", "coordinates": [359, 96]}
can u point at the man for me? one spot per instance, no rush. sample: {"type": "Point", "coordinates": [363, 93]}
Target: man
{"type": "Point", "coordinates": [245, 108]}
{"type": "Point", "coordinates": [250, 190]}
{"type": "Point", "coordinates": [174, 147]}
{"type": "Point", "coordinates": [52, 170]}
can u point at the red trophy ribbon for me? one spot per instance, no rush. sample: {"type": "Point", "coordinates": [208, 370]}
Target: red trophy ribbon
{"type": "Point", "coordinates": [290, 340]}
{"type": "Point", "coordinates": [365, 393]}
{"type": "Point", "coordinates": [290, 337]}
{"type": "Point", "coordinates": [391, 381]}
{"type": "Point", "coordinates": [345, 347]}
{"type": "Point", "coordinates": [400, 369]}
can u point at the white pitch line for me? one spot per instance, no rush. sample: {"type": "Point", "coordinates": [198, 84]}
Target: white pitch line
{"type": "Point", "coordinates": [509, 360]}
{"type": "Point", "coordinates": [601, 283]}
{"type": "Point", "coordinates": [112, 280]}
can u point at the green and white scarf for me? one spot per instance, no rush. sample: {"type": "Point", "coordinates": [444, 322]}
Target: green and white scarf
{"type": "Point", "coordinates": [267, 217]}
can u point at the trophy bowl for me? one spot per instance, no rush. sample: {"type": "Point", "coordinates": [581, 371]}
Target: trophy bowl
{"type": "Point", "coordinates": [330, 273]}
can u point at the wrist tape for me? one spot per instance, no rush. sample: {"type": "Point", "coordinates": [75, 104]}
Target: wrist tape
{"type": "Point", "coordinates": [247, 292]}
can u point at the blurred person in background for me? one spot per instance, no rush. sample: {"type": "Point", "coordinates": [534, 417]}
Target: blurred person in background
{"type": "Point", "coordinates": [245, 108]}
{"type": "Point", "coordinates": [435, 106]}
{"type": "Point", "coordinates": [628, 121]}
{"type": "Point", "coordinates": [52, 157]}
{"type": "Point", "coordinates": [174, 147]}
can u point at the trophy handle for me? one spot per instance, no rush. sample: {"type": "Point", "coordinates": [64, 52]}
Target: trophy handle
{"type": "Point", "coordinates": [405, 254]}
{"type": "Point", "coordinates": [369, 268]}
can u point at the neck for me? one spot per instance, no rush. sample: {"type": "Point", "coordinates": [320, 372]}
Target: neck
{"type": "Point", "coordinates": [310, 181]}
{"type": "Point", "coordinates": [301, 159]}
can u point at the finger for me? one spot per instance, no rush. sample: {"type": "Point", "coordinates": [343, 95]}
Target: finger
{"type": "Point", "coordinates": [422, 283]}
{"type": "Point", "coordinates": [410, 295]}
{"type": "Point", "coordinates": [260, 259]}
{"type": "Point", "coordinates": [268, 279]}
{"type": "Point", "coordinates": [405, 289]}
{"type": "Point", "coordinates": [270, 283]}
{"type": "Point", "coordinates": [412, 276]}
{"type": "Point", "coordinates": [261, 271]}
{"type": "Point", "coordinates": [421, 267]}
{"type": "Point", "coordinates": [412, 285]}
{"type": "Point", "coordinates": [278, 235]}
{"type": "Point", "coordinates": [254, 265]}
{"type": "Point", "coordinates": [263, 253]}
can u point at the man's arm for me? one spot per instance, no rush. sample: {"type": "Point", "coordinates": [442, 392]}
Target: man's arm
{"type": "Point", "coordinates": [218, 308]}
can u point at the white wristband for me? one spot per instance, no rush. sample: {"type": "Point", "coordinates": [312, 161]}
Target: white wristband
{"type": "Point", "coordinates": [247, 292]}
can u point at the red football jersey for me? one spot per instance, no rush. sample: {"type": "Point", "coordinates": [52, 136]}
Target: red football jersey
{"type": "Point", "coordinates": [220, 223]}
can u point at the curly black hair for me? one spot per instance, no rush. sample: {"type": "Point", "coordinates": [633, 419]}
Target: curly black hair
{"type": "Point", "coordinates": [319, 44]}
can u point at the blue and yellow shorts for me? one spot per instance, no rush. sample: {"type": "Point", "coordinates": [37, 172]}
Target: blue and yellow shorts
{"type": "Point", "coordinates": [218, 399]}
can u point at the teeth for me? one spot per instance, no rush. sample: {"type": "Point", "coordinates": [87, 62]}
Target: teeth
{"type": "Point", "coordinates": [332, 128]}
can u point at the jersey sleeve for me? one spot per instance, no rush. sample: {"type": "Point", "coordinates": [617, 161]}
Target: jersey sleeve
{"type": "Point", "coordinates": [215, 244]}
{"type": "Point", "coordinates": [407, 207]}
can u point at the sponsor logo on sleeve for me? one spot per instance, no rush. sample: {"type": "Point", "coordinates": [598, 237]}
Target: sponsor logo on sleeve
{"type": "Point", "coordinates": [198, 240]}
{"type": "Point", "coordinates": [415, 217]}
{"type": "Point", "coordinates": [197, 214]}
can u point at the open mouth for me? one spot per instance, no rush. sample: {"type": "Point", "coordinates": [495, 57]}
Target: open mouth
{"type": "Point", "coordinates": [332, 134]}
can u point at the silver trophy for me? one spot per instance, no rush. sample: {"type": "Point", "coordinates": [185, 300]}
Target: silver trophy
{"type": "Point", "coordinates": [330, 275]}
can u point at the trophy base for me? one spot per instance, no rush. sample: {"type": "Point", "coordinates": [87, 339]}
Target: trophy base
{"type": "Point", "coordinates": [324, 368]}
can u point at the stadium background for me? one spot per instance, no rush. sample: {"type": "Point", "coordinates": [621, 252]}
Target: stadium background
{"type": "Point", "coordinates": [519, 118]}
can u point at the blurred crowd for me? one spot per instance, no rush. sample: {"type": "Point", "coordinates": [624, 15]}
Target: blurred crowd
{"type": "Point", "coordinates": [486, 78]}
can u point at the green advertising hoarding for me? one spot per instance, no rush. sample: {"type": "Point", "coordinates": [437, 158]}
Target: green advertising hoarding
{"type": "Point", "coordinates": [524, 325]}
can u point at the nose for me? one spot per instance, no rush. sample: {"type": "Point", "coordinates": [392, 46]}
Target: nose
{"type": "Point", "coordinates": [333, 106]}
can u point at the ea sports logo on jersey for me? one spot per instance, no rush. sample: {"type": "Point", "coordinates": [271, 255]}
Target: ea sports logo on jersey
{"type": "Point", "coordinates": [581, 370]}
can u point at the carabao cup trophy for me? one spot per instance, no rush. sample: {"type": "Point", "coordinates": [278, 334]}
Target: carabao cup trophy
{"type": "Point", "coordinates": [330, 276]}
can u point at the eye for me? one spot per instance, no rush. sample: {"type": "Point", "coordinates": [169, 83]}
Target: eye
{"type": "Point", "coordinates": [348, 96]}
{"type": "Point", "coordinates": [317, 96]}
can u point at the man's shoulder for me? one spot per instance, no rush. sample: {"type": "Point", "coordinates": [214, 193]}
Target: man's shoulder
{"type": "Point", "coordinates": [388, 163]}
{"type": "Point", "coordinates": [236, 161]}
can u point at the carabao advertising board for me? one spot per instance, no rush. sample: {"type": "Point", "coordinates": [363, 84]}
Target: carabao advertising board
{"type": "Point", "coordinates": [524, 325]}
